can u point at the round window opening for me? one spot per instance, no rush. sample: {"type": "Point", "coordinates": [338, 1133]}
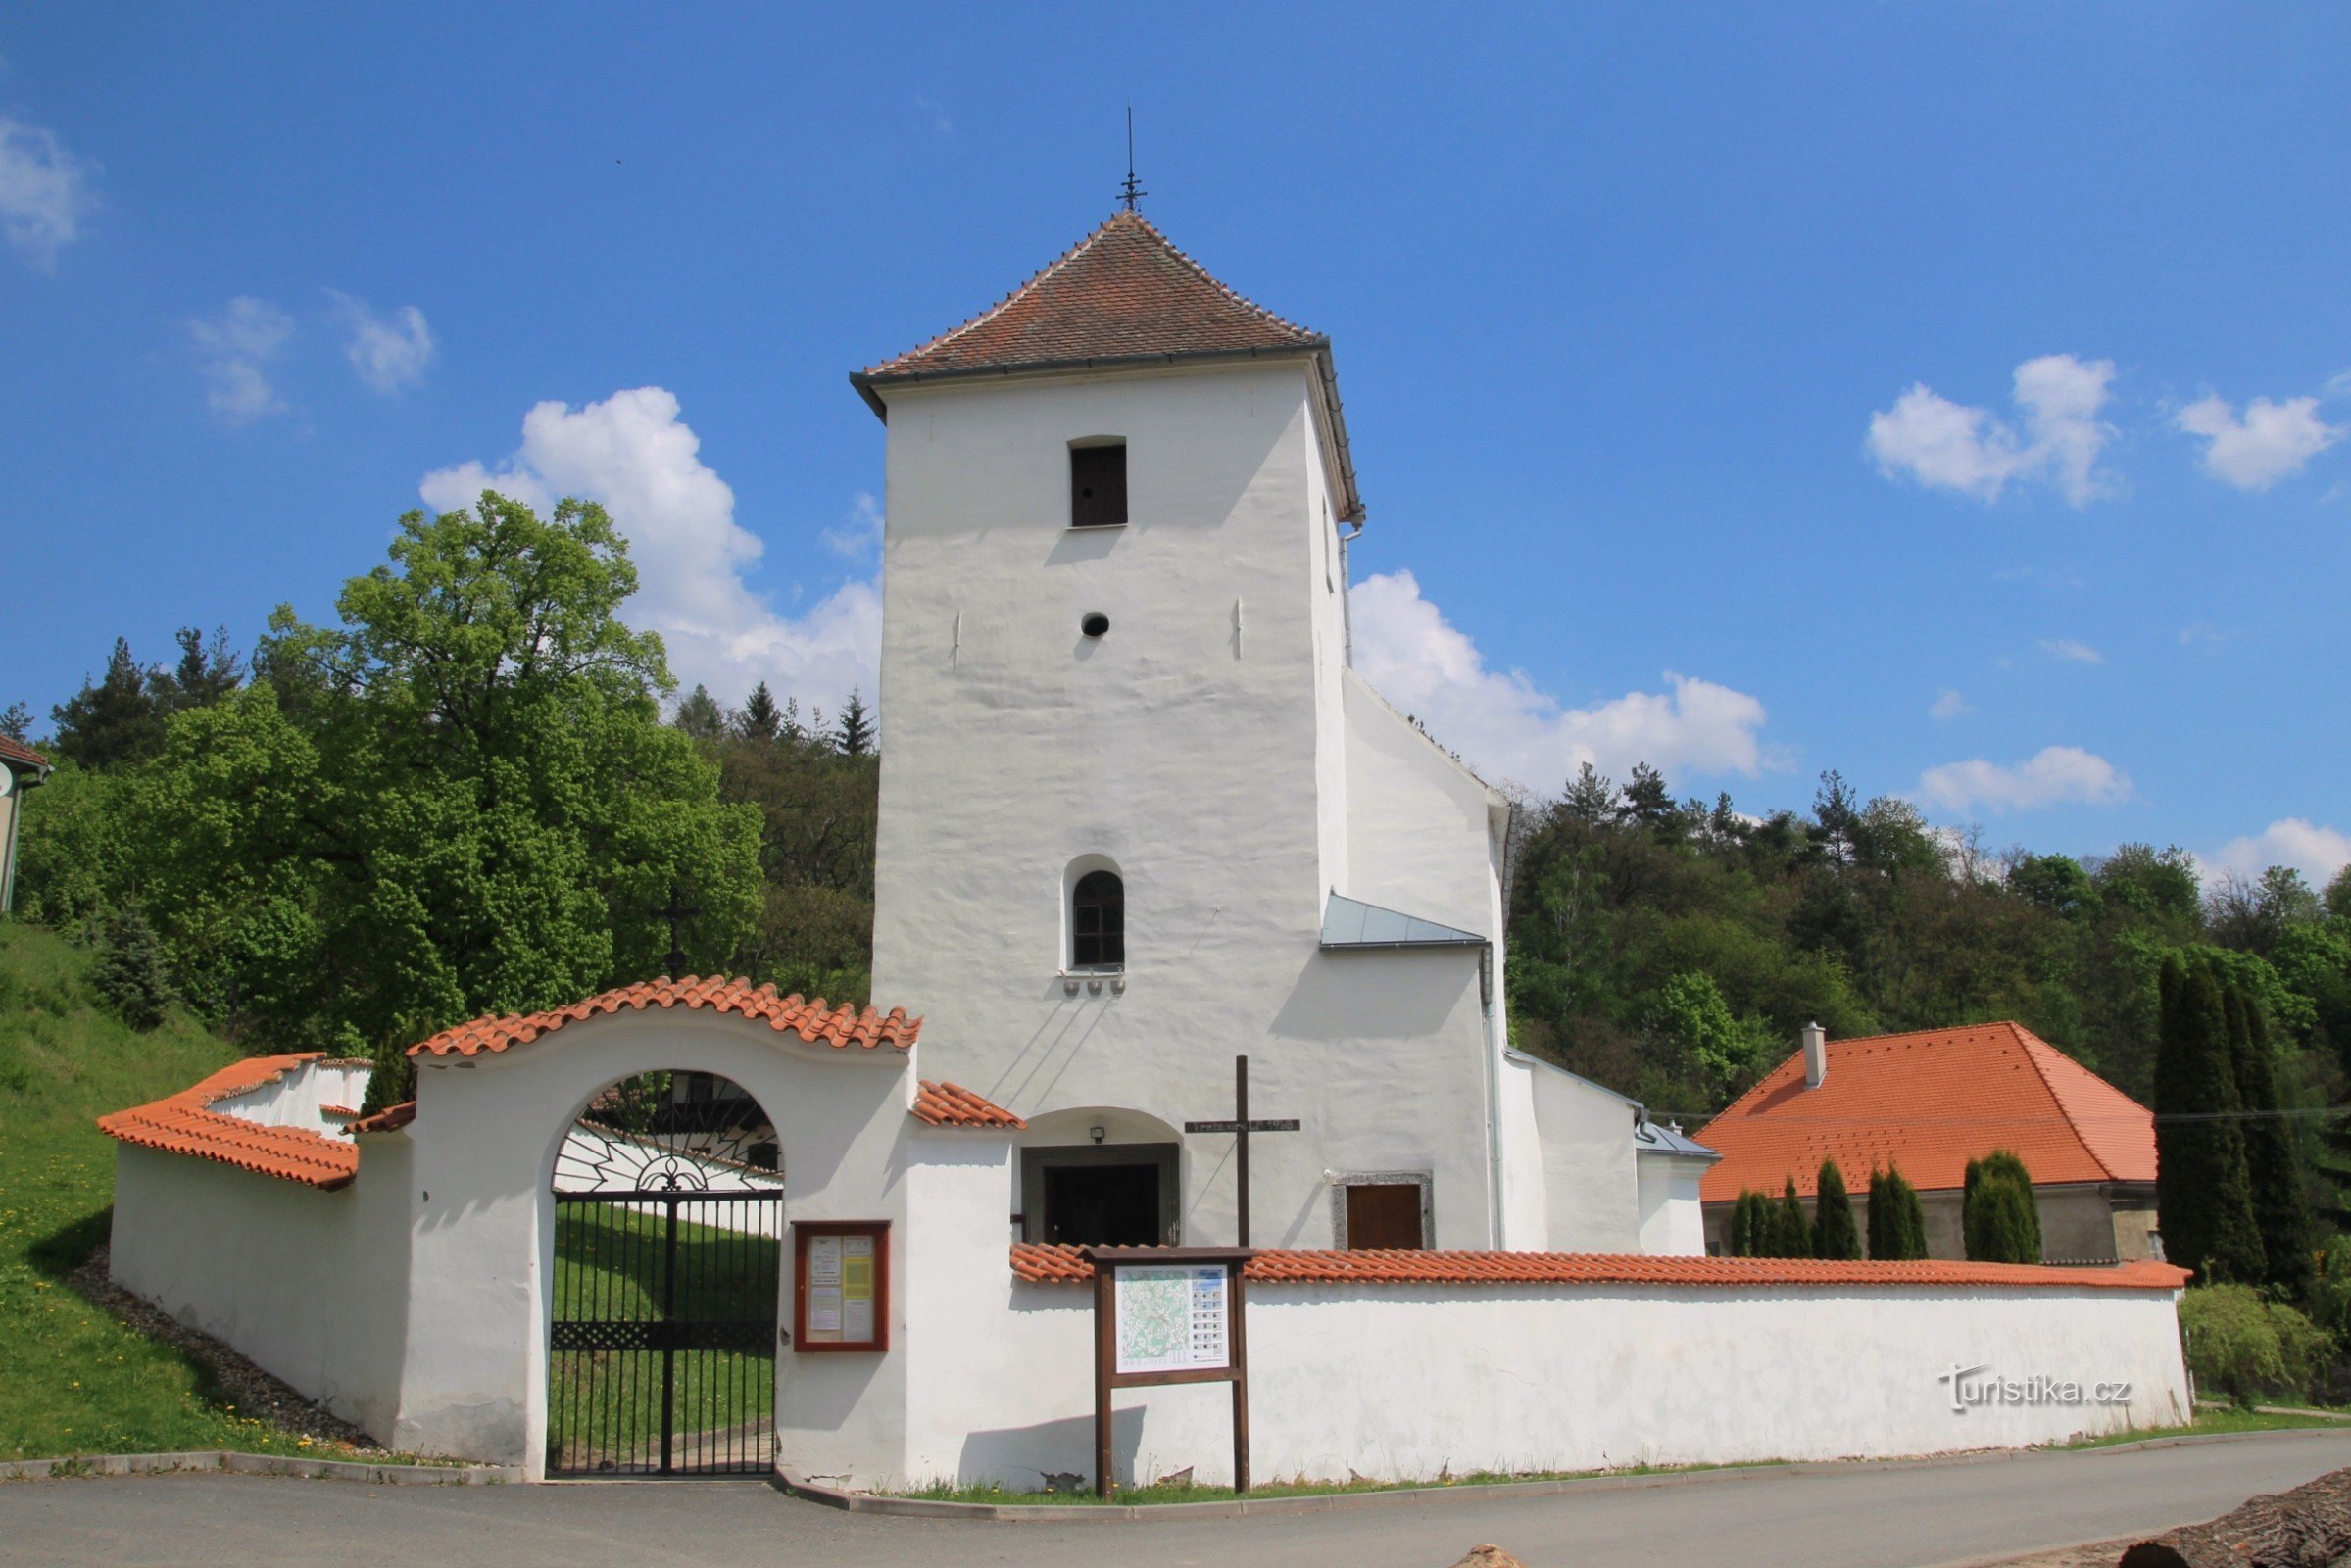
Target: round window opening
{"type": "Point", "coordinates": [1095, 624]}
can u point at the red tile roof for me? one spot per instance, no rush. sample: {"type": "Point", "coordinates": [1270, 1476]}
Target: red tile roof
{"type": "Point", "coordinates": [389, 1119]}
{"type": "Point", "coordinates": [1122, 292]}
{"type": "Point", "coordinates": [16, 751]}
{"type": "Point", "coordinates": [184, 1124]}
{"type": "Point", "coordinates": [1124, 295]}
{"type": "Point", "coordinates": [945, 1105]}
{"type": "Point", "coordinates": [1046, 1263]}
{"type": "Point", "coordinates": [816, 1022]}
{"type": "Point", "coordinates": [1928, 1102]}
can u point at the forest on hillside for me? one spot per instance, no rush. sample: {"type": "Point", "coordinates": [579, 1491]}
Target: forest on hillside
{"type": "Point", "coordinates": [479, 791]}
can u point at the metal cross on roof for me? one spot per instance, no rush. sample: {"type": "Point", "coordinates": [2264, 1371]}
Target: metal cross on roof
{"type": "Point", "coordinates": [1132, 190]}
{"type": "Point", "coordinates": [1241, 1127]}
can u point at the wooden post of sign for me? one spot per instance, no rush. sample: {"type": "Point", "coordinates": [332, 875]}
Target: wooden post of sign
{"type": "Point", "coordinates": [1237, 1336]}
{"type": "Point", "coordinates": [1106, 1369]}
{"type": "Point", "coordinates": [1105, 1263]}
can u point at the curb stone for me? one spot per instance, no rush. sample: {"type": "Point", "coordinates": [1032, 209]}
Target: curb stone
{"type": "Point", "coordinates": [1405, 1497]}
{"type": "Point", "coordinates": [259, 1464]}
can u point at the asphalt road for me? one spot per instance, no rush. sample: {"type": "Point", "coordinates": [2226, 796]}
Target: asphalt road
{"type": "Point", "coordinates": [1836, 1517]}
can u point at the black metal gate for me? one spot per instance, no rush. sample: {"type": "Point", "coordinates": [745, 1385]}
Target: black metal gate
{"type": "Point", "coordinates": [662, 1352]}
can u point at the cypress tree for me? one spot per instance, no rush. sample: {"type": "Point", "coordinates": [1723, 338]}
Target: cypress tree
{"type": "Point", "coordinates": [2202, 1188]}
{"type": "Point", "coordinates": [2280, 1209]}
{"type": "Point", "coordinates": [1998, 1214]}
{"type": "Point", "coordinates": [1897, 1219]}
{"type": "Point", "coordinates": [1745, 1235]}
{"type": "Point", "coordinates": [1834, 1234]}
{"type": "Point", "coordinates": [1791, 1233]}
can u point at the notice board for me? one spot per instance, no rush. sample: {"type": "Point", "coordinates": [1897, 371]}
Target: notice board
{"type": "Point", "coordinates": [840, 1285]}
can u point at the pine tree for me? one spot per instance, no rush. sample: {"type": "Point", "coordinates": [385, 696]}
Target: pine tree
{"type": "Point", "coordinates": [205, 674]}
{"type": "Point", "coordinates": [1791, 1233]}
{"type": "Point", "coordinates": [116, 720]}
{"type": "Point", "coordinates": [759, 720]}
{"type": "Point", "coordinates": [1834, 1233]}
{"type": "Point", "coordinates": [2279, 1207]}
{"type": "Point", "coordinates": [1897, 1219]}
{"type": "Point", "coordinates": [1998, 1214]}
{"type": "Point", "coordinates": [1748, 1232]}
{"type": "Point", "coordinates": [132, 975]}
{"type": "Point", "coordinates": [15, 721]}
{"type": "Point", "coordinates": [700, 716]}
{"type": "Point", "coordinates": [854, 735]}
{"type": "Point", "coordinates": [2202, 1188]}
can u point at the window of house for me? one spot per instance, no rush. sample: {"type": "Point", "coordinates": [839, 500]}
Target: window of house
{"type": "Point", "coordinates": [1097, 486]}
{"type": "Point", "coordinates": [1098, 922]}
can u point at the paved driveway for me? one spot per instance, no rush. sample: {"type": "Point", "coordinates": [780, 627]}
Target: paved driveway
{"type": "Point", "coordinates": [1833, 1518]}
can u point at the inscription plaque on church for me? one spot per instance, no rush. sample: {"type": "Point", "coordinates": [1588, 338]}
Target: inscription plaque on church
{"type": "Point", "coordinates": [840, 1285]}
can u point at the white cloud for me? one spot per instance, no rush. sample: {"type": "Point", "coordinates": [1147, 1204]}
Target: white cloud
{"type": "Point", "coordinates": [1508, 729]}
{"type": "Point", "coordinates": [389, 353]}
{"type": "Point", "coordinates": [860, 536]}
{"type": "Point", "coordinates": [1950, 445]}
{"type": "Point", "coordinates": [45, 192]}
{"type": "Point", "coordinates": [2318, 852]}
{"type": "Point", "coordinates": [2058, 775]}
{"type": "Point", "coordinates": [232, 352]}
{"type": "Point", "coordinates": [1947, 705]}
{"type": "Point", "coordinates": [2081, 653]}
{"type": "Point", "coordinates": [2269, 442]}
{"type": "Point", "coordinates": [635, 456]}
{"type": "Point", "coordinates": [942, 122]}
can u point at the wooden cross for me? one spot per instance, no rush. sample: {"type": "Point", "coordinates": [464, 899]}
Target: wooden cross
{"type": "Point", "coordinates": [677, 912]}
{"type": "Point", "coordinates": [1241, 1127]}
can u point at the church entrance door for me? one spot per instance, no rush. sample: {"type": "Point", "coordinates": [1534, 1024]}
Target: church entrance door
{"type": "Point", "coordinates": [668, 1216]}
{"type": "Point", "coordinates": [1116, 1194]}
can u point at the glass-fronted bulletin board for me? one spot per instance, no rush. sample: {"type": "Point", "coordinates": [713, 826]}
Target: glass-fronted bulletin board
{"type": "Point", "coordinates": [840, 1285]}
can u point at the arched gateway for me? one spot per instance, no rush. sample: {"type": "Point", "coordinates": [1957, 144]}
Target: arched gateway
{"type": "Point", "coordinates": [662, 1345]}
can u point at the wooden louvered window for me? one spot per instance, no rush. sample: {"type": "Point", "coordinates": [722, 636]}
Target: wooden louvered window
{"type": "Point", "coordinates": [1097, 486]}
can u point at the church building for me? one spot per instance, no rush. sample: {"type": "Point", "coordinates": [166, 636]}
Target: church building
{"type": "Point", "coordinates": [1139, 815]}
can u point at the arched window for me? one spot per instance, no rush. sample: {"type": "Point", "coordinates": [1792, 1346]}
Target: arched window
{"type": "Point", "coordinates": [1098, 922]}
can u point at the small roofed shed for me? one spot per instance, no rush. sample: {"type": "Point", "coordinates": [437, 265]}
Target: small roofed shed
{"type": "Point", "coordinates": [1927, 1103]}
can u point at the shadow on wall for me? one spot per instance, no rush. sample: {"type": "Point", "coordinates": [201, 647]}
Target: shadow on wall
{"type": "Point", "coordinates": [1011, 1456]}
{"type": "Point", "coordinates": [1387, 995]}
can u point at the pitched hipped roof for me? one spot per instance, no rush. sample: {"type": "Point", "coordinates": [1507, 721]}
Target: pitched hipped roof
{"type": "Point", "coordinates": [816, 1022]}
{"type": "Point", "coordinates": [1928, 1102]}
{"type": "Point", "coordinates": [1047, 1263]}
{"type": "Point", "coordinates": [184, 1124]}
{"type": "Point", "coordinates": [1123, 296]}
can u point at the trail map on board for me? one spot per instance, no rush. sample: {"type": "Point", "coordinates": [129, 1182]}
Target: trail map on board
{"type": "Point", "coordinates": [1171, 1318]}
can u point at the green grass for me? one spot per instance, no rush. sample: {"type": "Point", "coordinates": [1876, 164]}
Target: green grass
{"type": "Point", "coordinates": [2207, 1422]}
{"type": "Point", "coordinates": [610, 1265]}
{"type": "Point", "coordinates": [73, 1379]}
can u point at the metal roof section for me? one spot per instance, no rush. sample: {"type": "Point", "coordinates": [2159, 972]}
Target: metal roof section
{"type": "Point", "coordinates": [1353, 923]}
{"type": "Point", "coordinates": [1654, 1137]}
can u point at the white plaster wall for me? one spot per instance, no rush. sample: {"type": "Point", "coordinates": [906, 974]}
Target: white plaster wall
{"type": "Point", "coordinates": [312, 1285]}
{"type": "Point", "coordinates": [1673, 1220]}
{"type": "Point", "coordinates": [1591, 1189]}
{"type": "Point", "coordinates": [485, 1139]}
{"type": "Point", "coordinates": [1526, 1183]}
{"type": "Point", "coordinates": [296, 1099]}
{"type": "Point", "coordinates": [1203, 763]}
{"type": "Point", "coordinates": [1417, 826]}
{"type": "Point", "coordinates": [1398, 1383]}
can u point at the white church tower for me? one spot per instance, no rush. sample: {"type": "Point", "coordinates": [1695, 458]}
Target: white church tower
{"type": "Point", "coordinates": [1139, 816]}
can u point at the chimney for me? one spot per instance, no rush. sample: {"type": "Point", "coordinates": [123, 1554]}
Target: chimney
{"type": "Point", "coordinates": [1816, 1055]}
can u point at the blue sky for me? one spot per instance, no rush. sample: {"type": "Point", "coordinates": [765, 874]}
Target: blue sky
{"type": "Point", "coordinates": [1946, 393]}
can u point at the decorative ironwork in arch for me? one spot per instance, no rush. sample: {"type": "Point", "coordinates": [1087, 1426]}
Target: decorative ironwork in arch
{"type": "Point", "coordinates": [670, 1131]}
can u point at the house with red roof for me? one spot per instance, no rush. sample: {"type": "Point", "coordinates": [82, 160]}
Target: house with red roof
{"type": "Point", "coordinates": [20, 769]}
{"type": "Point", "coordinates": [1927, 1103]}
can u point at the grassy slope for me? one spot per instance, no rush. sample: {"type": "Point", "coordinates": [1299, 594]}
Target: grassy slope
{"type": "Point", "coordinates": [74, 1380]}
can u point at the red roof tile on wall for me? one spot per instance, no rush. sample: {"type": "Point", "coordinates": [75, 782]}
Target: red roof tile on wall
{"type": "Point", "coordinates": [183, 1124]}
{"type": "Point", "coordinates": [16, 751]}
{"type": "Point", "coordinates": [389, 1119]}
{"type": "Point", "coordinates": [945, 1105]}
{"type": "Point", "coordinates": [1930, 1101]}
{"type": "Point", "coordinates": [1045, 1263]}
{"type": "Point", "coordinates": [814, 1022]}
{"type": "Point", "coordinates": [1122, 292]}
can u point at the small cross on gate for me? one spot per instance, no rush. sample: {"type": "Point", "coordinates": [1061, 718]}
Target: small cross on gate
{"type": "Point", "coordinates": [677, 912]}
{"type": "Point", "coordinates": [1241, 1127]}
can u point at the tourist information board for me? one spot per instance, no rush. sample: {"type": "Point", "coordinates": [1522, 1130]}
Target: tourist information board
{"type": "Point", "coordinates": [1169, 1315]}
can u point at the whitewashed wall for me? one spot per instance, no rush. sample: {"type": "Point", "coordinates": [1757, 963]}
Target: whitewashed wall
{"type": "Point", "coordinates": [312, 1285]}
{"type": "Point", "coordinates": [1400, 1382]}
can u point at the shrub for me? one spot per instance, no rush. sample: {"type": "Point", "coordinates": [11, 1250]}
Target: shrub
{"type": "Point", "coordinates": [1997, 1211]}
{"type": "Point", "coordinates": [1834, 1234]}
{"type": "Point", "coordinates": [1897, 1219]}
{"type": "Point", "coordinates": [2246, 1347]}
{"type": "Point", "coordinates": [131, 975]}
